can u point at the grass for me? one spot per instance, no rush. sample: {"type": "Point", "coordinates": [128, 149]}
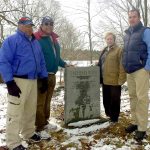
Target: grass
{"type": "Point", "coordinates": [111, 135]}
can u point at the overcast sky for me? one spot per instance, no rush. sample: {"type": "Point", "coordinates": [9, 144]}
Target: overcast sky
{"type": "Point", "coordinates": [72, 12]}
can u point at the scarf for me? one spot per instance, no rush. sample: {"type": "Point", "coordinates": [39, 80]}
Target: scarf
{"type": "Point", "coordinates": [39, 34]}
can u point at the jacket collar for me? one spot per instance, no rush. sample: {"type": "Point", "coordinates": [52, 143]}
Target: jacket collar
{"type": "Point", "coordinates": [25, 35]}
{"type": "Point", "coordinates": [135, 28]}
{"type": "Point", "coordinates": [39, 34]}
{"type": "Point", "coordinates": [112, 47]}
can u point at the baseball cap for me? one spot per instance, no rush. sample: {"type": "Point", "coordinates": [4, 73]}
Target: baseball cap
{"type": "Point", "coordinates": [25, 21]}
{"type": "Point", "coordinates": [47, 19]}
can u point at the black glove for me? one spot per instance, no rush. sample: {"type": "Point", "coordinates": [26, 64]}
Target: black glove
{"type": "Point", "coordinates": [44, 85]}
{"type": "Point", "coordinates": [13, 89]}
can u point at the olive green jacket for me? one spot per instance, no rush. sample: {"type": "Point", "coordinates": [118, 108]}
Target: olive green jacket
{"type": "Point", "coordinates": [112, 72]}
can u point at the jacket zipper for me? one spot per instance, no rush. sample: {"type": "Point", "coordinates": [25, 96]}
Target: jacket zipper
{"type": "Point", "coordinates": [17, 67]}
{"type": "Point", "coordinates": [35, 60]}
{"type": "Point", "coordinates": [127, 47]}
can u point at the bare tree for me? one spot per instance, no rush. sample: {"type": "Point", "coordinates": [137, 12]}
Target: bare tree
{"type": "Point", "coordinates": [87, 15]}
{"type": "Point", "coordinates": [70, 37]}
{"type": "Point", "coordinates": [11, 10]}
{"type": "Point", "coordinates": [142, 5]}
{"type": "Point", "coordinates": [90, 28]}
{"type": "Point", "coordinates": [116, 19]}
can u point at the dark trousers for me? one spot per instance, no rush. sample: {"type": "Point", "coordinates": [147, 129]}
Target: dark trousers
{"type": "Point", "coordinates": [44, 102]}
{"type": "Point", "coordinates": [111, 101]}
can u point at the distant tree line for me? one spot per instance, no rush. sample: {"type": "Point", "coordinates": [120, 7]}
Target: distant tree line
{"type": "Point", "coordinates": [72, 38]}
{"type": "Point", "coordinates": [79, 55]}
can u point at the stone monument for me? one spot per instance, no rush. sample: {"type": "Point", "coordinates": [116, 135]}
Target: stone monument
{"type": "Point", "coordinates": [82, 93]}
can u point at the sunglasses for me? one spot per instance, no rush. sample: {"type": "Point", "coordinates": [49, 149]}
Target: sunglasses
{"type": "Point", "coordinates": [49, 24]}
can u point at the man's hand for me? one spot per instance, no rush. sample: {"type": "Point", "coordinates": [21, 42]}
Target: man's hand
{"type": "Point", "coordinates": [69, 65]}
{"type": "Point", "coordinates": [13, 89]}
{"type": "Point", "coordinates": [44, 85]}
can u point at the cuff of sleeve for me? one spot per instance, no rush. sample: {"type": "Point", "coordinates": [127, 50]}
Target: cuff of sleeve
{"type": "Point", "coordinates": [147, 66]}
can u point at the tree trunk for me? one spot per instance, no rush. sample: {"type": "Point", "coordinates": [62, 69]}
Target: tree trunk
{"type": "Point", "coordinates": [89, 28]}
{"type": "Point", "coordinates": [146, 19]}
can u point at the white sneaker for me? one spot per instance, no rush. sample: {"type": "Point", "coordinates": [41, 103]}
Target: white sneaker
{"type": "Point", "coordinates": [50, 127]}
{"type": "Point", "coordinates": [44, 135]}
{"type": "Point", "coordinates": [24, 144]}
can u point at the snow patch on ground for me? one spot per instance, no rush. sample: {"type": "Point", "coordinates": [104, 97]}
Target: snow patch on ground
{"type": "Point", "coordinates": [75, 135]}
{"type": "Point", "coordinates": [84, 130]}
{"type": "Point", "coordinates": [82, 123]}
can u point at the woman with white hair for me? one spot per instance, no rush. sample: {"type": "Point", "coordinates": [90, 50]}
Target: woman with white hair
{"type": "Point", "coordinates": [112, 76]}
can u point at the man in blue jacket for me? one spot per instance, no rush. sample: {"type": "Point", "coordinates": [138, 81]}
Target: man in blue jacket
{"type": "Point", "coordinates": [51, 50]}
{"type": "Point", "coordinates": [21, 63]}
{"type": "Point", "coordinates": [136, 62]}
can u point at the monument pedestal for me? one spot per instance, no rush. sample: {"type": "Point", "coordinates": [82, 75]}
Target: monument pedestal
{"type": "Point", "coordinates": [82, 93]}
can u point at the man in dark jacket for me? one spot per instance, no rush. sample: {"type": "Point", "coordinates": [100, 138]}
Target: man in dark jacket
{"type": "Point", "coordinates": [21, 63]}
{"type": "Point", "coordinates": [136, 62]}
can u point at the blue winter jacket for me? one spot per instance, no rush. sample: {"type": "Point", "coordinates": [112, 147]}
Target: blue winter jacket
{"type": "Point", "coordinates": [21, 56]}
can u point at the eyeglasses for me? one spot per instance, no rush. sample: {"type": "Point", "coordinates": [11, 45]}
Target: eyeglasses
{"type": "Point", "coordinates": [50, 24]}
